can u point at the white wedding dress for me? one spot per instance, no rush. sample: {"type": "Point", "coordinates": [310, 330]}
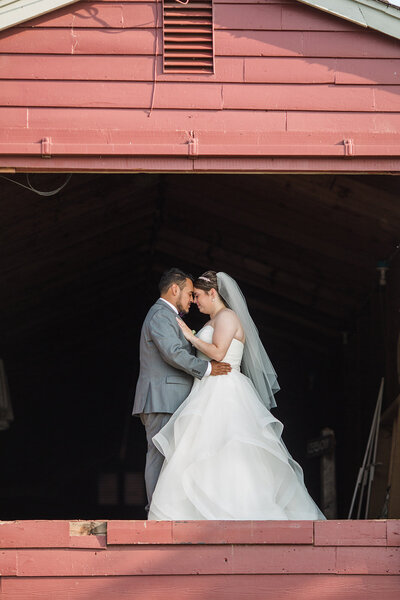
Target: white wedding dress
{"type": "Point", "coordinates": [224, 456]}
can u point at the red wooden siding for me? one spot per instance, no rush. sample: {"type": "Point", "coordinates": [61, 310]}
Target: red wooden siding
{"type": "Point", "coordinates": [348, 560]}
{"type": "Point", "coordinates": [290, 85]}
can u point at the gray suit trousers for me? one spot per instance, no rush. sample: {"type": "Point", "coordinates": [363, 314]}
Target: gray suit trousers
{"type": "Point", "coordinates": [153, 422]}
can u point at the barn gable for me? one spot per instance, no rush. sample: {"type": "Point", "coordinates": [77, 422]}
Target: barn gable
{"type": "Point", "coordinates": [293, 88]}
{"type": "Point", "coordinates": [380, 15]}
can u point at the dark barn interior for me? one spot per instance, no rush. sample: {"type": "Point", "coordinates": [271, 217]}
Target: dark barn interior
{"type": "Point", "coordinates": [79, 271]}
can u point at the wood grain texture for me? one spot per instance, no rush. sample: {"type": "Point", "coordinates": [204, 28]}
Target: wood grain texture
{"type": "Point", "coordinates": [393, 533]}
{"type": "Point", "coordinates": [138, 120]}
{"type": "Point", "coordinates": [350, 533]}
{"type": "Point", "coordinates": [34, 534]}
{"type": "Point", "coordinates": [210, 532]}
{"type": "Point", "coordinates": [368, 560]}
{"type": "Point", "coordinates": [193, 559]}
{"type": "Point", "coordinates": [217, 587]}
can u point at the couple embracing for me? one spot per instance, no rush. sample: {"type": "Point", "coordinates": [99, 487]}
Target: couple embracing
{"type": "Point", "coordinates": [214, 449]}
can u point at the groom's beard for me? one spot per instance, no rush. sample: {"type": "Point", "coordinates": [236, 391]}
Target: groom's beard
{"type": "Point", "coordinates": [181, 310]}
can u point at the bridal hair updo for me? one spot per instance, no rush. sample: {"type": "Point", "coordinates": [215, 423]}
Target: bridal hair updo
{"type": "Point", "coordinates": [207, 281]}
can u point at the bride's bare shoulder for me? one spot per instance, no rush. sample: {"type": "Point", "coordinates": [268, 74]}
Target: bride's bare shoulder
{"type": "Point", "coordinates": [226, 315]}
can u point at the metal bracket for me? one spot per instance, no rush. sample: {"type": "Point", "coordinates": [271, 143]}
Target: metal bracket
{"type": "Point", "coordinates": [348, 147]}
{"type": "Point", "coordinates": [193, 145]}
{"type": "Point", "coordinates": [46, 147]}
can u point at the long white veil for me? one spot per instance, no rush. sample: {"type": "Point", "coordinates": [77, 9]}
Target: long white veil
{"type": "Point", "coordinates": [255, 362]}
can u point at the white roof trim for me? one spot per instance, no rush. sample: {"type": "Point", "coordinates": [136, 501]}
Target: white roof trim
{"type": "Point", "coordinates": [13, 12]}
{"type": "Point", "coordinates": [376, 14]}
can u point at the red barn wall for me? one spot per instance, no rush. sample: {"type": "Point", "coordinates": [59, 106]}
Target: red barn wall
{"type": "Point", "coordinates": [200, 560]}
{"type": "Point", "coordinates": [291, 83]}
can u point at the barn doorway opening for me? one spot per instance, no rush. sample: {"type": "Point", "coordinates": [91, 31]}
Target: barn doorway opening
{"type": "Point", "coordinates": [315, 256]}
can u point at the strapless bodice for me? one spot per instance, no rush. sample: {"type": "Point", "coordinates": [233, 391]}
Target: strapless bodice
{"type": "Point", "coordinates": [234, 353]}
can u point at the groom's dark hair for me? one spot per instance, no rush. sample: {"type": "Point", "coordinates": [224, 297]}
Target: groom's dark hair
{"type": "Point", "coordinates": [172, 276]}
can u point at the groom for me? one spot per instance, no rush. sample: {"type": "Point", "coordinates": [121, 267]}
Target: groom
{"type": "Point", "coordinates": [167, 366]}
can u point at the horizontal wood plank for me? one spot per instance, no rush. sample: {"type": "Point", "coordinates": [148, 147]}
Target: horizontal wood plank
{"type": "Point", "coordinates": [139, 532]}
{"type": "Point", "coordinates": [178, 95]}
{"type": "Point", "coordinates": [161, 120]}
{"type": "Point", "coordinates": [177, 559]}
{"type": "Point", "coordinates": [350, 533]}
{"type": "Point", "coordinates": [100, 16]}
{"type": "Point", "coordinates": [115, 68]}
{"type": "Point", "coordinates": [222, 587]}
{"type": "Point", "coordinates": [227, 43]}
{"type": "Point", "coordinates": [202, 559]}
{"type": "Point", "coordinates": [297, 16]}
{"type": "Point", "coordinates": [243, 532]}
{"type": "Point", "coordinates": [210, 532]}
{"type": "Point", "coordinates": [112, 94]}
{"type": "Point", "coordinates": [227, 69]}
{"type": "Point", "coordinates": [298, 97]}
{"type": "Point", "coordinates": [8, 563]}
{"type": "Point", "coordinates": [80, 41]}
{"type": "Point", "coordinates": [344, 123]}
{"type": "Point", "coordinates": [34, 534]}
{"type": "Point", "coordinates": [118, 164]}
{"type": "Point", "coordinates": [367, 71]}
{"type": "Point", "coordinates": [368, 560]}
{"type": "Point", "coordinates": [393, 532]}
{"type": "Point", "coordinates": [309, 43]}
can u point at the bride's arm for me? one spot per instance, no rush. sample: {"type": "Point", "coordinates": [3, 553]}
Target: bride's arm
{"type": "Point", "coordinates": [225, 327]}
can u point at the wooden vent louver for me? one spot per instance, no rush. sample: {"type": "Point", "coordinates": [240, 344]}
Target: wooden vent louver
{"type": "Point", "coordinates": [188, 36]}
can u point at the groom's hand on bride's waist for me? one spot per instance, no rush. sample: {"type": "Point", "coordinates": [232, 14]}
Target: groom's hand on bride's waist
{"type": "Point", "coordinates": [220, 368]}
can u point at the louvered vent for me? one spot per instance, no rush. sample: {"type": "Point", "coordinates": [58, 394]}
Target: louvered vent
{"type": "Point", "coordinates": [188, 36]}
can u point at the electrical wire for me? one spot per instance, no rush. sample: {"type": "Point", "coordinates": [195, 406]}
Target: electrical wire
{"type": "Point", "coordinates": [36, 191]}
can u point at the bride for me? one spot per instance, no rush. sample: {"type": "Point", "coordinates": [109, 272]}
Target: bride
{"type": "Point", "coordinates": [224, 456]}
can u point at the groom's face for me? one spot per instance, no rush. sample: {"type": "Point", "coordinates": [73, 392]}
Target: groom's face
{"type": "Point", "coordinates": [185, 297]}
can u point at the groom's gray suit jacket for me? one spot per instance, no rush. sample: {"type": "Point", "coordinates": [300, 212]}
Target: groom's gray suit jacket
{"type": "Point", "coordinates": [167, 363]}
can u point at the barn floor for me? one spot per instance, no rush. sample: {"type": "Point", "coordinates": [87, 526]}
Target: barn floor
{"type": "Point", "coordinates": [80, 269]}
{"type": "Point", "coordinates": [218, 560]}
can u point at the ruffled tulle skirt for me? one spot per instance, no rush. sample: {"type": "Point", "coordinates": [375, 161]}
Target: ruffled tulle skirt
{"type": "Point", "coordinates": [225, 459]}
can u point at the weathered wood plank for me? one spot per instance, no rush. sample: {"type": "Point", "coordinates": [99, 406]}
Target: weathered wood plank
{"type": "Point", "coordinates": [177, 559]}
{"type": "Point", "coordinates": [178, 95]}
{"type": "Point", "coordinates": [210, 532]}
{"type": "Point", "coordinates": [115, 68]}
{"type": "Point", "coordinates": [393, 532]}
{"type": "Point", "coordinates": [100, 16]}
{"type": "Point", "coordinates": [34, 534]}
{"type": "Point", "coordinates": [350, 533]}
{"type": "Point", "coordinates": [309, 43]}
{"type": "Point", "coordinates": [298, 97]}
{"type": "Point", "coordinates": [343, 123]}
{"type": "Point", "coordinates": [138, 120]}
{"type": "Point", "coordinates": [368, 561]}
{"type": "Point", "coordinates": [111, 94]}
{"type": "Point", "coordinates": [139, 532]}
{"type": "Point", "coordinates": [8, 563]}
{"type": "Point", "coordinates": [222, 587]}
{"type": "Point", "coordinates": [243, 532]}
{"type": "Point", "coordinates": [83, 41]}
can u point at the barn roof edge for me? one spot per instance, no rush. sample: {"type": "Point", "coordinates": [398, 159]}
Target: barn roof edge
{"type": "Point", "coordinates": [374, 14]}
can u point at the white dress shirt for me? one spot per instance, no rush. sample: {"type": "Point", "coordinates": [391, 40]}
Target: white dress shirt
{"type": "Point", "coordinates": [208, 371]}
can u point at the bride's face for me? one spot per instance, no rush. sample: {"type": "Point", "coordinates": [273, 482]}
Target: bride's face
{"type": "Point", "coordinates": [203, 300]}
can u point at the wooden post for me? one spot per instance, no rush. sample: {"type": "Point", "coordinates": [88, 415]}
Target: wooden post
{"type": "Point", "coordinates": [328, 477]}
